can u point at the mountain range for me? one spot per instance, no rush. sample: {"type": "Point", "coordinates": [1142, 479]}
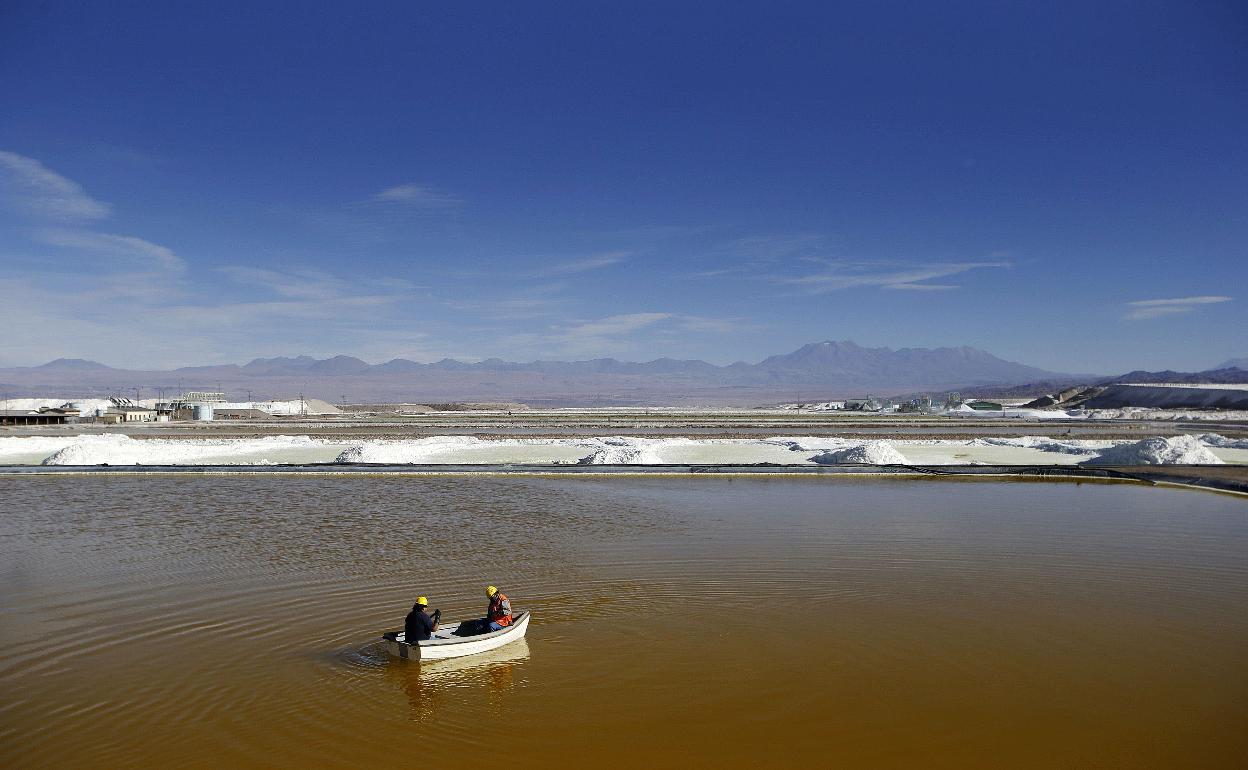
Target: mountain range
{"type": "Point", "coordinates": [822, 370]}
{"type": "Point", "coordinates": [818, 371]}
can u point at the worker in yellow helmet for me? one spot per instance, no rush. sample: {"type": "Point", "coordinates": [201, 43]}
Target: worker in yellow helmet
{"type": "Point", "coordinates": [419, 626]}
{"type": "Point", "coordinates": [498, 614]}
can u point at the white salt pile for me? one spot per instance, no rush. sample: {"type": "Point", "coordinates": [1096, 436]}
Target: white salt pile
{"type": "Point", "coordinates": [116, 449]}
{"type": "Point", "coordinates": [1150, 413]}
{"type": "Point", "coordinates": [1042, 444]}
{"type": "Point", "coordinates": [89, 406]}
{"type": "Point", "coordinates": [1222, 442]}
{"type": "Point", "coordinates": [870, 453]}
{"type": "Point", "coordinates": [410, 451]}
{"type": "Point", "coordinates": [808, 443]}
{"type": "Point", "coordinates": [1175, 450]}
{"type": "Point", "coordinates": [21, 449]}
{"type": "Point", "coordinates": [622, 450]}
{"type": "Point", "coordinates": [1017, 413]}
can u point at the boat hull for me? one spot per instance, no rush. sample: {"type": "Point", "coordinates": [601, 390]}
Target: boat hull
{"type": "Point", "coordinates": [444, 645]}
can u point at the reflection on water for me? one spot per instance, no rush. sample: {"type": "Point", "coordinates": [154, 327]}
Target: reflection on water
{"type": "Point", "coordinates": [427, 683]}
{"type": "Point", "coordinates": [234, 621]}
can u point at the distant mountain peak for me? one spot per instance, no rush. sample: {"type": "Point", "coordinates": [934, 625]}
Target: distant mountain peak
{"type": "Point", "coordinates": [1233, 363]}
{"type": "Point", "coordinates": [258, 363]}
{"type": "Point", "coordinates": [306, 364]}
{"type": "Point", "coordinates": [79, 364]}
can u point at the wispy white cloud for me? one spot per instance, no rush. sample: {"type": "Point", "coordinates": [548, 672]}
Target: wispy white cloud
{"type": "Point", "coordinates": [636, 335]}
{"type": "Point", "coordinates": [701, 324]}
{"type": "Point", "coordinates": [418, 196]}
{"type": "Point", "coordinates": [37, 191]}
{"type": "Point", "coordinates": [255, 315]}
{"type": "Point", "coordinates": [595, 262]}
{"type": "Point", "coordinates": [777, 257]}
{"type": "Point", "coordinates": [311, 283]}
{"type": "Point", "coordinates": [612, 326]}
{"type": "Point", "coordinates": [83, 289]}
{"type": "Point", "coordinates": [519, 302]}
{"type": "Point", "coordinates": [850, 274]}
{"type": "Point", "coordinates": [1144, 309]}
{"type": "Point", "coordinates": [152, 254]}
{"type": "Point", "coordinates": [752, 256]}
{"type": "Point", "coordinates": [84, 316]}
{"type": "Point", "coordinates": [776, 246]}
{"type": "Point", "coordinates": [720, 272]}
{"type": "Point", "coordinates": [922, 286]}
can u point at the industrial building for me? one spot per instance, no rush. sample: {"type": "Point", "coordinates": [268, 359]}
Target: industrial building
{"type": "Point", "coordinates": [45, 416]}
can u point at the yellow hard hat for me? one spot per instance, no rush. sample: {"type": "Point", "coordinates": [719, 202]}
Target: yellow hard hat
{"type": "Point", "coordinates": [422, 601]}
{"type": "Point", "coordinates": [490, 591]}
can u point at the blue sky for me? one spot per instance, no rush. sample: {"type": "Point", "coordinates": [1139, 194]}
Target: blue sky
{"type": "Point", "coordinates": [1064, 184]}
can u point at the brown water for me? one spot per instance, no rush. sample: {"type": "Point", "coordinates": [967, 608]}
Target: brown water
{"type": "Point", "coordinates": [678, 621]}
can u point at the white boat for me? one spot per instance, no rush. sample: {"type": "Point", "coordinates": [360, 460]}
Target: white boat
{"type": "Point", "coordinates": [444, 644]}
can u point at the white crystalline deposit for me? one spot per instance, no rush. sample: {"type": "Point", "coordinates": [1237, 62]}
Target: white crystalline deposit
{"type": "Point", "coordinates": [1044, 444]}
{"type": "Point", "coordinates": [825, 406]}
{"type": "Point", "coordinates": [20, 449]}
{"type": "Point", "coordinates": [1222, 442]}
{"type": "Point", "coordinates": [117, 449]}
{"type": "Point", "coordinates": [619, 450]}
{"type": "Point", "coordinates": [1015, 413]}
{"type": "Point", "coordinates": [808, 443]}
{"type": "Point", "coordinates": [1149, 413]}
{"type": "Point", "coordinates": [292, 408]}
{"type": "Point", "coordinates": [625, 450]}
{"type": "Point", "coordinates": [89, 406]}
{"type": "Point", "coordinates": [94, 450]}
{"type": "Point", "coordinates": [406, 452]}
{"type": "Point", "coordinates": [1174, 450]}
{"type": "Point", "coordinates": [870, 453]}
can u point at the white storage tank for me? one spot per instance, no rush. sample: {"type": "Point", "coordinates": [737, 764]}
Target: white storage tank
{"type": "Point", "coordinates": [202, 412]}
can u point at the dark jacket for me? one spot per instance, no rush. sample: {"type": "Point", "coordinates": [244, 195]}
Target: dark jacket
{"type": "Point", "coordinates": [418, 626]}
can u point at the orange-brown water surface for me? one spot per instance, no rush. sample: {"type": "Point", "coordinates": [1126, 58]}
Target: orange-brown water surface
{"type": "Point", "coordinates": [230, 621]}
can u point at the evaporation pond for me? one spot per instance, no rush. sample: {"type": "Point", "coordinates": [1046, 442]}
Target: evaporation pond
{"type": "Point", "coordinates": [230, 621]}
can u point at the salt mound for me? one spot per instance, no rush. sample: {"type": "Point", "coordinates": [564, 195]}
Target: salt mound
{"type": "Point", "coordinates": [870, 453]}
{"type": "Point", "coordinates": [1041, 443]}
{"type": "Point", "coordinates": [293, 408]}
{"type": "Point", "coordinates": [411, 452]}
{"type": "Point", "coordinates": [14, 448]}
{"type": "Point", "coordinates": [89, 406]}
{"type": "Point", "coordinates": [1222, 442]}
{"type": "Point", "coordinates": [92, 450]}
{"type": "Point", "coordinates": [1149, 413]}
{"type": "Point", "coordinates": [1175, 450]}
{"type": "Point", "coordinates": [119, 449]}
{"type": "Point", "coordinates": [624, 450]}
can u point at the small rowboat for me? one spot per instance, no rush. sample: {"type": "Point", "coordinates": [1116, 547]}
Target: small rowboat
{"type": "Point", "coordinates": [444, 643]}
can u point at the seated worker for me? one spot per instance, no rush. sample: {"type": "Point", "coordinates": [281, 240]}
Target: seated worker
{"type": "Point", "coordinates": [418, 626]}
{"type": "Point", "coordinates": [498, 615]}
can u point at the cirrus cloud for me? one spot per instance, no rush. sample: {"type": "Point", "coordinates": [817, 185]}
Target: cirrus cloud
{"type": "Point", "coordinates": [850, 274]}
{"type": "Point", "coordinates": [1144, 309]}
{"type": "Point", "coordinates": [36, 190]}
{"type": "Point", "coordinates": [417, 196]}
